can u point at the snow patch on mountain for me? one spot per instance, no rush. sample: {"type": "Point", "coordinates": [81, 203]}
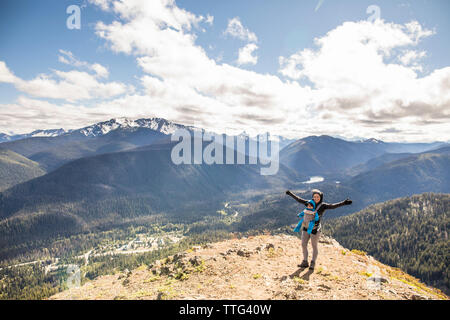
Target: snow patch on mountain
{"type": "Point", "coordinates": [156, 124]}
{"type": "Point", "coordinates": [48, 133]}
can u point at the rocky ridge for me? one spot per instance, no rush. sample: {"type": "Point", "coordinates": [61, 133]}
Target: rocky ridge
{"type": "Point", "coordinates": [261, 267]}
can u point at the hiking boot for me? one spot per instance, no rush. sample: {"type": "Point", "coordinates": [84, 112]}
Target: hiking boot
{"type": "Point", "coordinates": [313, 264]}
{"type": "Point", "coordinates": [304, 264]}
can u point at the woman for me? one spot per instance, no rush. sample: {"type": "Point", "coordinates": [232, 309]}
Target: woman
{"type": "Point", "coordinates": [315, 233]}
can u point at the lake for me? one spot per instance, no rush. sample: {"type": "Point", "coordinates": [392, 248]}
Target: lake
{"type": "Point", "coordinates": [314, 179]}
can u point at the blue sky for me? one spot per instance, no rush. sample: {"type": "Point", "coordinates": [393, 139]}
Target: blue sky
{"type": "Point", "coordinates": [259, 93]}
{"type": "Point", "coordinates": [36, 30]}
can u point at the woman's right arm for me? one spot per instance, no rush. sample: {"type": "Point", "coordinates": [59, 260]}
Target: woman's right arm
{"type": "Point", "coordinates": [302, 201]}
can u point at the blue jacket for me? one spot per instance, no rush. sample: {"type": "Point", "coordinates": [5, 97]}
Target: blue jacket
{"type": "Point", "coordinates": [312, 222]}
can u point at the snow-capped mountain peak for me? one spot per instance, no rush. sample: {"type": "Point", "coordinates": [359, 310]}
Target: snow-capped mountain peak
{"type": "Point", "coordinates": [156, 124]}
{"type": "Point", "coordinates": [36, 133]}
{"type": "Point", "coordinates": [373, 140]}
{"type": "Point", "coordinates": [47, 133]}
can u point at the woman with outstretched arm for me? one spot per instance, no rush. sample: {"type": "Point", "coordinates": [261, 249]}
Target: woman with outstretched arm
{"type": "Point", "coordinates": [314, 232]}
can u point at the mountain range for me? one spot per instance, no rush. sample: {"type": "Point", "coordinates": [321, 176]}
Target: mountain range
{"type": "Point", "coordinates": [101, 128]}
{"type": "Point", "coordinates": [110, 172]}
{"type": "Point", "coordinates": [108, 136]}
{"type": "Point", "coordinates": [37, 133]}
{"type": "Point", "coordinates": [115, 135]}
{"type": "Point", "coordinates": [333, 157]}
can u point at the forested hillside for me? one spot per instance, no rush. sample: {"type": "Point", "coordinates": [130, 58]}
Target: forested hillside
{"type": "Point", "coordinates": [410, 233]}
{"type": "Point", "coordinates": [15, 168]}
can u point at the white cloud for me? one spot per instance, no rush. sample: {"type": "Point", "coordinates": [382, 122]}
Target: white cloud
{"type": "Point", "coordinates": [103, 4]}
{"type": "Point", "coordinates": [355, 91]}
{"type": "Point", "coordinates": [172, 55]}
{"type": "Point", "coordinates": [245, 54]}
{"type": "Point", "coordinates": [417, 32]}
{"type": "Point", "coordinates": [37, 114]}
{"type": "Point", "coordinates": [348, 48]}
{"type": "Point", "coordinates": [209, 19]}
{"type": "Point", "coordinates": [67, 57]}
{"type": "Point", "coordinates": [236, 29]}
{"type": "Point", "coordinates": [352, 77]}
{"type": "Point", "coordinates": [5, 74]}
{"type": "Point", "coordinates": [100, 70]}
{"type": "Point", "coordinates": [411, 58]}
{"type": "Point", "coordinates": [71, 85]}
{"type": "Point", "coordinates": [364, 81]}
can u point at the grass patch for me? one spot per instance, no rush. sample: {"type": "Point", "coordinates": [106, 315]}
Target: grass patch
{"type": "Point", "coordinates": [152, 279]}
{"type": "Point", "coordinates": [272, 253]}
{"type": "Point", "coordinates": [181, 275]}
{"type": "Point", "coordinates": [359, 252]}
{"type": "Point", "coordinates": [201, 267]}
{"type": "Point", "coordinates": [334, 278]}
{"type": "Point", "coordinates": [141, 294]}
{"type": "Point", "coordinates": [366, 274]}
{"type": "Point", "coordinates": [142, 267]}
{"type": "Point", "coordinates": [167, 292]}
{"type": "Point", "coordinates": [323, 272]}
{"type": "Point", "coordinates": [299, 280]}
{"type": "Point", "coordinates": [399, 275]}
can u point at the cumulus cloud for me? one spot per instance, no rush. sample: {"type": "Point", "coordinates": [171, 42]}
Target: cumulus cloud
{"type": "Point", "coordinates": [209, 19]}
{"type": "Point", "coordinates": [246, 54]}
{"type": "Point", "coordinates": [362, 80]}
{"type": "Point", "coordinates": [353, 72]}
{"type": "Point", "coordinates": [103, 4]}
{"type": "Point", "coordinates": [411, 58]}
{"type": "Point", "coordinates": [348, 48]}
{"type": "Point", "coordinates": [71, 85]}
{"type": "Point", "coordinates": [37, 114]}
{"type": "Point", "coordinates": [237, 30]}
{"type": "Point", "coordinates": [100, 70]}
{"type": "Point", "coordinates": [67, 57]}
{"type": "Point", "coordinates": [5, 74]}
{"type": "Point", "coordinates": [167, 50]}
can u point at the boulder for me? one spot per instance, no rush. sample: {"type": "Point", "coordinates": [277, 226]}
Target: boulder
{"type": "Point", "coordinates": [244, 253]}
{"type": "Point", "coordinates": [417, 297]}
{"type": "Point", "coordinates": [379, 279]}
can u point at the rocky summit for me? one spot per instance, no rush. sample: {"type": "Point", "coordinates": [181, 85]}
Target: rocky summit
{"type": "Point", "coordinates": [261, 267]}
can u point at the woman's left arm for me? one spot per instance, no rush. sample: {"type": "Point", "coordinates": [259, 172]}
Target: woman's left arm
{"type": "Point", "coordinates": [338, 204]}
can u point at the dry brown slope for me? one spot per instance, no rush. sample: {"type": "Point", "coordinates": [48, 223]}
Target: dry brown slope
{"type": "Point", "coordinates": [261, 267]}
